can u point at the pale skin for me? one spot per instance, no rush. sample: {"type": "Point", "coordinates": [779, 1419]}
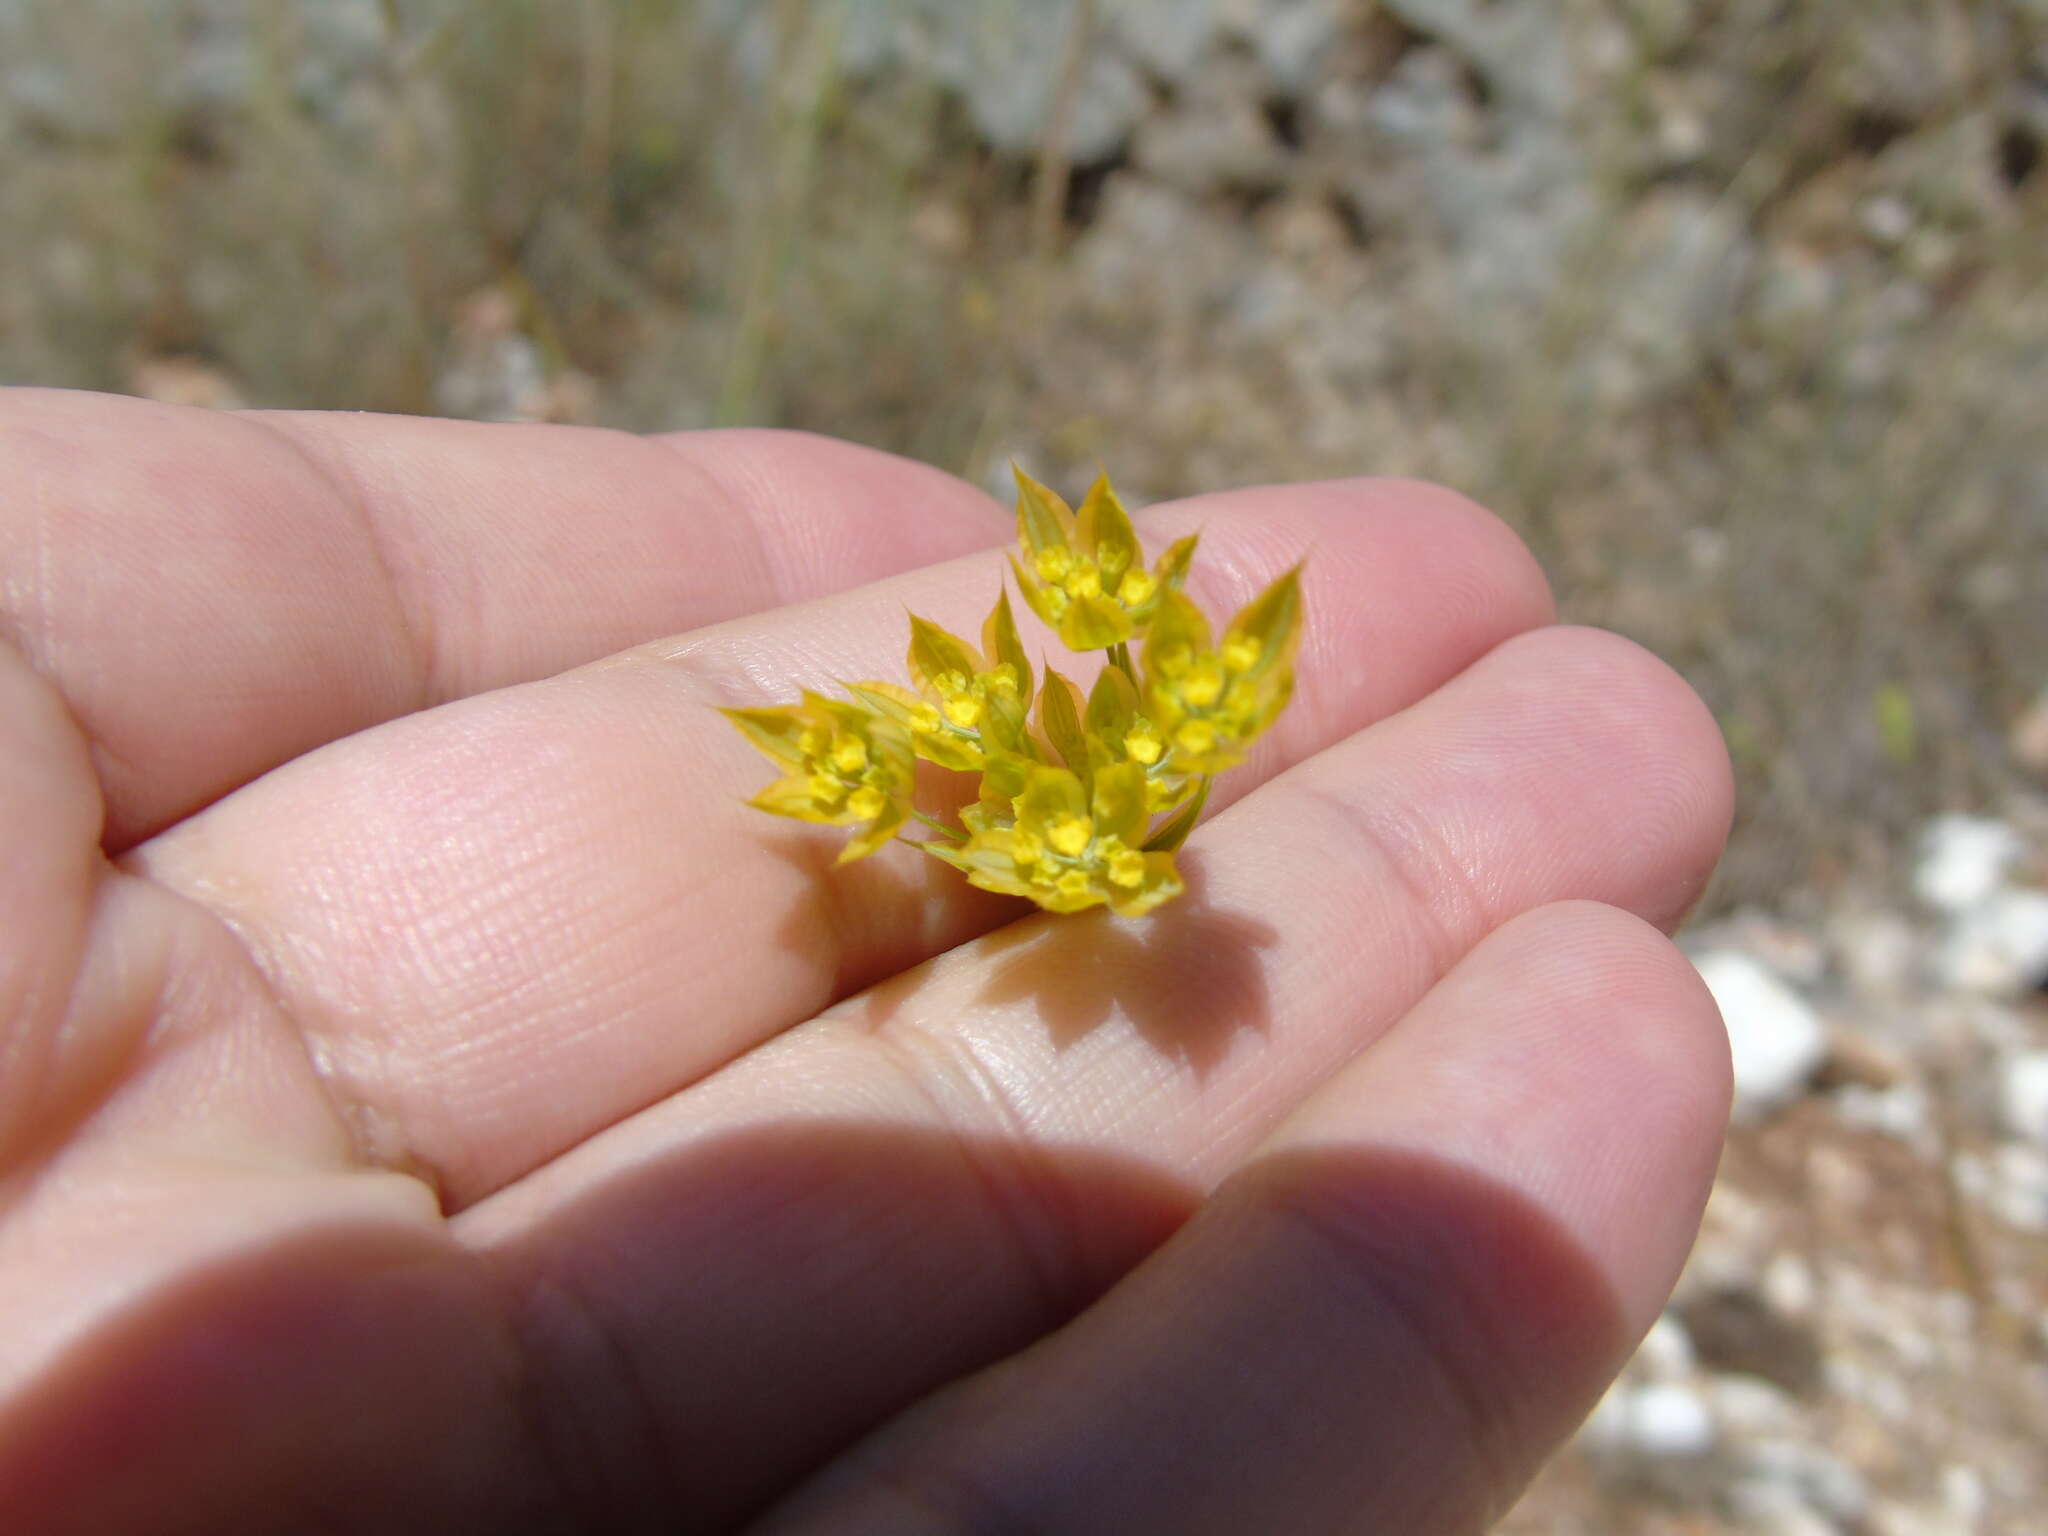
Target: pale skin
{"type": "Point", "coordinates": [430, 1100]}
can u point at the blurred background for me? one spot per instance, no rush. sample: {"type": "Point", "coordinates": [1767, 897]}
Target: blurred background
{"type": "Point", "coordinates": [1735, 308]}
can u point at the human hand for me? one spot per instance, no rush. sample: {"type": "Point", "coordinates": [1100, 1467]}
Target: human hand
{"type": "Point", "coordinates": [431, 1100]}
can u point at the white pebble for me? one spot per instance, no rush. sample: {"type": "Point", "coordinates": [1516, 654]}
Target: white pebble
{"type": "Point", "coordinates": [1668, 1419]}
{"type": "Point", "coordinates": [1902, 1111]}
{"type": "Point", "coordinates": [2023, 1096]}
{"type": "Point", "coordinates": [1787, 1284]}
{"type": "Point", "coordinates": [1822, 1481]}
{"type": "Point", "coordinates": [1999, 947]}
{"type": "Point", "coordinates": [1776, 1040]}
{"type": "Point", "coordinates": [1962, 1491]}
{"type": "Point", "coordinates": [2018, 1195]}
{"type": "Point", "coordinates": [1666, 1353]}
{"type": "Point", "coordinates": [1963, 860]}
{"type": "Point", "coordinates": [1749, 1407]}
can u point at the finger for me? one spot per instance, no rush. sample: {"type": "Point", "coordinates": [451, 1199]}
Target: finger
{"type": "Point", "coordinates": [49, 827]}
{"type": "Point", "coordinates": [1091, 1078]}
{"type": "Point", "coordinates": [509, 922]}
{"type": "Point", "coordinates": [215, 593]}
{"type": "Point", "coordinates": [1395, 1310]}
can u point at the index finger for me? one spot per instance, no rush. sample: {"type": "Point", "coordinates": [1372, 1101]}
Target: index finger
{"type": "Point", "coordinates": [216, 593]}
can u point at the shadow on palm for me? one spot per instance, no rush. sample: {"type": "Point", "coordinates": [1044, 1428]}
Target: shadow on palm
{"type": "Point", "coordinates": [1187, 978]}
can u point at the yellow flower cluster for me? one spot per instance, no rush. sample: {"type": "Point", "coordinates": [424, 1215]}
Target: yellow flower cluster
{"type": "Point", "coordinates": [1067, 844]}
{"type": "Point", "coordinates": [1070, 788]}
{"type": "Point", "coordinates": [1211, 701]}
{"type": "Point", "coordinates": [843, 764]}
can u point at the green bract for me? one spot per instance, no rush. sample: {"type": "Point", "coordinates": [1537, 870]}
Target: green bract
{"type": "Point", "coordinates": [1082, 799]}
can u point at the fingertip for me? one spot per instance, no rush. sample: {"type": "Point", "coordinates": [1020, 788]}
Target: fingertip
{"type": "Point", "coordinates": [889, 513]}
{"type": "Point", "coordinates": [1624, 718]}
{"type": "Point", "coordinates": [1504, 575]}
{"type": "Point", "coordinates": [1352, 530]}
{"type": "Point", "coordinates": [1575, 1057]}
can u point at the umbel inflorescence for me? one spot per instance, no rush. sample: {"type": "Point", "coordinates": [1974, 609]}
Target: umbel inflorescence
{"type": "Point", "coordinates": [1081, 802]}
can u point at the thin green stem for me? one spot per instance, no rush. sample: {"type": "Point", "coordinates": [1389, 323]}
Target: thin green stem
{"type": "Point", "coordinates": [1120, 656]}
{"type": "Point", "coordinates": [937, 826]}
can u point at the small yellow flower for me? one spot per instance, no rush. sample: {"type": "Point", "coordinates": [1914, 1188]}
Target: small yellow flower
{"type": "Point", "coordinates": [1087, 576]}
{"type": "Point", "coordinates": [843, 765]}
{"type": "Point", "coordinates": [1068, 847]}
{"type": "Point", "coordinates": [1115, 729]}
{"type": "Point", "coordinates": [1210, 701]}
{"type": "Point", "coordinates": [970, 703]}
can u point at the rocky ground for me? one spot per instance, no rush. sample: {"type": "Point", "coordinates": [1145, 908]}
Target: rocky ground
{"type": "Point", "coordinates": [1860, 1342]}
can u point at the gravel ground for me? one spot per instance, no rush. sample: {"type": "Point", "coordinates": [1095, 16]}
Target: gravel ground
{"type": "Point", "coordinates": [1860, 1341]}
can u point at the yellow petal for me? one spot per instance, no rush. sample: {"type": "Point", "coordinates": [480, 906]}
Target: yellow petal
{"type": "Point", "coordinates": [1138, 588]}
{"type": "Point", "coordinates": [1070, 835]}
{"type": "Point", "coordinates": [1203, 684]}
{"type": "Point", "coordinates": [1142, 744]}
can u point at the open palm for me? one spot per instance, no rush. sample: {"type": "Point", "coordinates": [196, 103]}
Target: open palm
{"type": "Point", "coordinates": [430, 1100]}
